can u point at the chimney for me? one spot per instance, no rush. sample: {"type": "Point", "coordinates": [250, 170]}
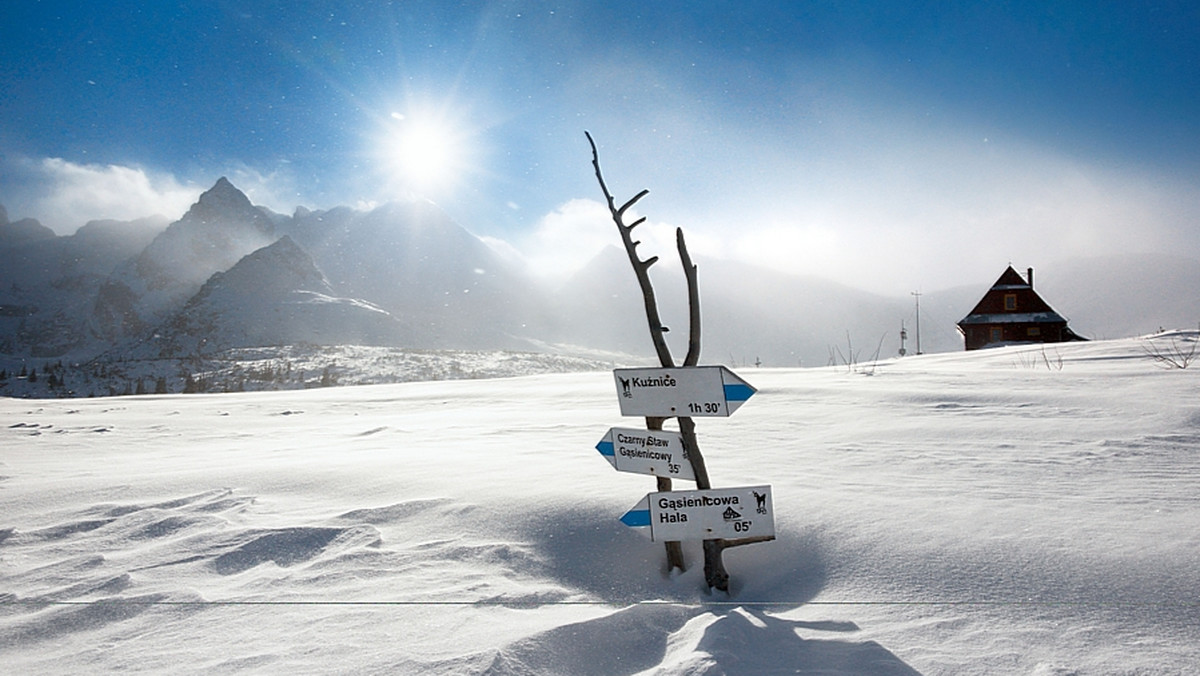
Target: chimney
{"type": "Point", "coordinates": [1031, 278]}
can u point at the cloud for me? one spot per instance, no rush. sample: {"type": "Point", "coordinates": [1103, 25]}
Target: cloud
{"type": "Point", "coordinates": [276, 189]}
{"type": "Point", "coordinates": [849, 175]}
{"type": "Point", "coordinates": [64, 195]}
{"type": "Point", "coordinates": [916, 210]}
{"type": "Point", "coordinates": [926, 208]}
{"type": "Point", "coordinates": [565, 240]}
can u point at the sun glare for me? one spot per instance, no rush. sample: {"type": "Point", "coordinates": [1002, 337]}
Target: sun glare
{"type": "Point", "coordinates": [425, 155]}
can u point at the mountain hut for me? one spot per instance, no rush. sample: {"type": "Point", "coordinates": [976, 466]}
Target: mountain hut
{"type": "Point", "coordinates": [1011, 312]}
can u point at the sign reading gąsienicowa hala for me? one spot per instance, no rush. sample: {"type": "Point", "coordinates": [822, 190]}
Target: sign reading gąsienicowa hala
{"type": "Point", "coordinates": [647, 452]}
{"type": "Point", "coordinates": [692, 391]}
{"type": "Point", "coordinates": [725, 513]}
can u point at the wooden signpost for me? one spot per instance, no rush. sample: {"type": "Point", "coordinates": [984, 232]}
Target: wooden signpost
{"type": "Point", "coordinates": [705, 514]}
{"type": "Point", "coordinates": [720, 518]}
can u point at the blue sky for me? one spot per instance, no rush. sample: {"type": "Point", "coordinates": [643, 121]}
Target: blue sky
{"type": "Point", "coordinates": [890, 146]}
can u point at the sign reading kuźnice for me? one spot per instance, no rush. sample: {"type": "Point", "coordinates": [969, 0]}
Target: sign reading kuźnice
{"type": "Point", "coordinates": [693, 391]}
{"type": "Point", "coordinates": [656, 452]}
{"type": "Point", "coordinates": [726, 513]}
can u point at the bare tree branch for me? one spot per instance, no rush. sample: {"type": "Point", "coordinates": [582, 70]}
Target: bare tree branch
{"type": "Point", "coordinates": [689, 272]}
{"type": "Point", "coordinates": [640, 267]}
{"type": "Point", "coordinates": [625, 207]}
{"type": "Point", "coordinates": [715, 574]}
{"type": "Point", "coordinates": [1176, 356]}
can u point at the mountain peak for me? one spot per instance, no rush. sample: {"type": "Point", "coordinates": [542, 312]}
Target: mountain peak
{"type": "Point", "coordinates": [220, 228]}
{"type": "Point", "coordinates": [225, 207]}
{"type": "Point", "coordinates": [223, 197]}
{"type": "Point", "coordinates": [273, 296]}
{"type": "Point", "coordinates": [283, 264]}
{"type": "Point", "coordinates": [24, 230]}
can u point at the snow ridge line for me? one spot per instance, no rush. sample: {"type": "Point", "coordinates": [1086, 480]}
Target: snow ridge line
{"type": "Point", "coordinates": [617, 604]}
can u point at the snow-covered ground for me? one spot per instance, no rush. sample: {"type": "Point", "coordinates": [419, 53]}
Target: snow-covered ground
{"type": "Point", "coordinates": [287, 367]}
{"type": "Point", "coordinates": [1010, 511]}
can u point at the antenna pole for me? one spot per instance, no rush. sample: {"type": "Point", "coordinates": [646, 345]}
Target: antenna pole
{"type": "Point", "coordinates": [917, 294]}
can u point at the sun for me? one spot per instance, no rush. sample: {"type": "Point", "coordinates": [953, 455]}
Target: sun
{"type": "Point", "coordinates": [423, 154]}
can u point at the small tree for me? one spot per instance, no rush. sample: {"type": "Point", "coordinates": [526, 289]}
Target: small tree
{"type": "Point", "coordinates": [1176, 355]}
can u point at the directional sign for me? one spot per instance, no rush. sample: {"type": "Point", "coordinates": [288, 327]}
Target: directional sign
{"type": "Point", "coordinates": [693, 391]}
{"type": "Point", "coordinates": [726, 513]}
{"type": "Point", "coordinates": [647, 452]}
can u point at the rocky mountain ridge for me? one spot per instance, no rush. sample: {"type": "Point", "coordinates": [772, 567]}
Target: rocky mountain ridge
{"type": "Point", "coordinates": [231, 275]}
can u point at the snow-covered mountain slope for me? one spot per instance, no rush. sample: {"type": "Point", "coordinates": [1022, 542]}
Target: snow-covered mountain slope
{"type": "Point", "coordinates": [219, 229]}
{"type": "Point", "coordinates": [448, 287]}
{"type": "Point", "coordinates": [414, 261]}
{"type": "Point", "coordinates": [1135, 294]}
{"type": "Point", "coordinates": [76, 297]}
{"type": "Point", "coordinates": [1007, 511]}
{"type": "Point", "coordinates": [49, 284]}
{"type": "Point", "coordinates": [750, 314]}
{"type": "Point", "coordinates": [274, 296]}
{"type": "Point", "coordinates": [215, 233]}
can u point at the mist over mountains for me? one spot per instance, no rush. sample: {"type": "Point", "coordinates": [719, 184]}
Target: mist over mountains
{"type": "Point", "coordinates": [230, 275]}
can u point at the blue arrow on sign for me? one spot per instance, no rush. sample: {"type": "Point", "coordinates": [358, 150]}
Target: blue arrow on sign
{"type": "Point", "coordinates": [639, 516]}
{"type": "Point", "coordinates": [738, 392]}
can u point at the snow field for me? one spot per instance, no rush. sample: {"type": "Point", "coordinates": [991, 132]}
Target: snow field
{"type": "Point", "coordinates": [977, 513]}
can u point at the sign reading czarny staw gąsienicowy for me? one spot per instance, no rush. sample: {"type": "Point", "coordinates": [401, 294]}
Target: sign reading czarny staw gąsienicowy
{"type": "Point", "coordinates": [654, 452]}
{"type": "Point", "coordinates": [718, 513]}
{"type": "Point", "coordinates": [691, 391]}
